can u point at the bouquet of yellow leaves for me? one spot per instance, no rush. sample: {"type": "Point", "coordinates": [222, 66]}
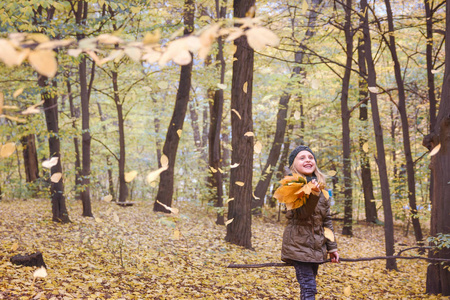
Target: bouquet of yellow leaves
{"type": "Point", "coordinates": [295, 190]}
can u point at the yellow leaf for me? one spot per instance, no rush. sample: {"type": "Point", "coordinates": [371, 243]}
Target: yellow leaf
{"type": "Point", "coordinates": [7, 149]}
{"type": "Point", "coordinates": [8, 54]}
{"type": "Point", "coordinates": [297, 115]}
{"type": "Point", "coordinates": [314, 83]}
{"type": "Point", "coordinates": [328, 233]}
{"type": "Point", "coordinates": [234, 166]}
{"type": "Point", "coordinates": [133, 53]}
{"type": "Point", "coordinates": [257, 198]}
{"type": "Point", "coordinates": [237, 113]}
{"type": "Point", "coordinates": [228, 221]}
{"type": "Point", "coordinates": [129, 176]}
{"type": "Point", "coordinates": [176, 234]}
{"type": "Point", "coordinates": [244, 87]}
{"type": "Point", "coordinates": [44, 62]}
{"type": "Point", "coordinates": [50, 163]}
{"type": "Point", "coordinates": [239, 183]}
{"type": "Point", "coordinates": [179, 131]}
{"type": "Point", "coordinates": [108, 198]}
{"type": "Point", "coordinates": [260, 37]}
{"type": "Point", "coordinates": [304, 7]}
{"type": "Point", "coordinates": [373, 89]}
{"type": "Point", "coordinates": [365, 147]}
{"type": "Point", "coordinates": [56, 177]}
{"type": "Point", "coordinates": [212, 169]}
{"type": "Point", "coordinates": [258, 147]}
{"type": "Point", "coordinates": [163, 85]}
{"type": "Point", "coordinates": [164, 160]}
{"type": "Point", "coordinates": [15, 246]}
{"type": "Point", "coordinates": [40, 273]}
{"type": "Point", "coordinates": [98, 220]}
{"type": "Point", "coordinates": [221, 86]}
{"type": "Point", "coordinates": [331, 173]}
{"type": "Point", "coordinates": [152, 38]}
{"type": "Point", "coordinates": [435, 150]}
{"type": "Point", "coordinates": [326, 194]}
{"type": "Point", "coordinates": [17, 93]}
{"type": "Point", "coordinates": [228, 200]}
{"type": "Point", "coordinates": [347, 291]}
{"type": "Point", "coordinates": [16, 119]}
{"type": "Point", "coordinates": [249, 133]}
{"type": "Point", "coordinates": [152, 176]}
{"type": "Point", "coordinates": [109, 39]}
{"type": "Point", "coordinates": [172, 209]}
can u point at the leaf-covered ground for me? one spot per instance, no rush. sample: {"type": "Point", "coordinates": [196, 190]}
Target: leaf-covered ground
{"type": "Point", "coordinates": [134, 253]}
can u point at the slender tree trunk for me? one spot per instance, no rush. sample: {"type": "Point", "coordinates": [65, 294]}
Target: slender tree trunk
{"type": "Point", "coordinates": [438, 275]}
{"type": "Point", "coordinates": [165, 189]}
{"type": "Point", "coordinates": [216, 114]}
{"type": "Point", "coordinates": [239, 210]}
{"type": "Point", "coordinates": [366, 173]}
{"type": "Point", "coordinates": [75, 114]}
{"type": "Point", "coordinates": [381, 157]}
{"type": "Point", "coordinates": [281, 123]}
{"type": "Point", "coordinates": [405, 128]}
{"type": "Point", "coordinates": [123, 189]}
{"type": "Point", "coordinates": [345, 113]}
{"type": "Point", "coordinates": [157, 124]}
{"type": "Point", "coordinates": [30, 157]}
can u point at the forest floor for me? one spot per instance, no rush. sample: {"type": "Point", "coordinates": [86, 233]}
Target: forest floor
{"type": "Point", "coordinates": [134, 253]}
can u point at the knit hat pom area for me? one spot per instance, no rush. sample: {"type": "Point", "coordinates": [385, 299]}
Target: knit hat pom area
{"type": "Point", "coordinates": [297, 151]}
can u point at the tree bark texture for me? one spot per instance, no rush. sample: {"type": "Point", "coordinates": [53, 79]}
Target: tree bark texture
{"type": "Point", "coordinates": [405, 127]}
{"type": "Point", "coordinates": [75, 114]}
{"type": "Point", "coordinates": [30, 159]}
{"type": "Point", "coordinates": [165, 189]}
{"type": "Point", "coordinates": [281, 123]}
{"type": "Point", "coordinates": [239, 210]}
{"type": "Point", "coordinates": [366, 172]}
{"type": "Point", "coordinates": [381, 156]}
{"type": "Point", "coordinates": [438, 275]}
{"type": "Point", "coordinates": [345, 115]}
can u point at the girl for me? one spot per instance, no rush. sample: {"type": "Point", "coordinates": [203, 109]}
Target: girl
{"type": "Point", "coordinates": [304, 244]}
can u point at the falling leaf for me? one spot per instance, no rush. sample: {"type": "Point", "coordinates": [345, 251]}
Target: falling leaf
{"type": "Point", "coordinates": [228, 221]}
{"type": "Point", "coordinates": [152, 176]}
{"type": "Point", "coordinates": [108, 198]}
{"type": "Point", "coordinates": [50, 163]}
{"type": "Point", "coordinates": [373, 89]}
{"type": "Point", "coordinates": [260, 37]}
{"type": "Point", "coordinates": [297, 115]}
{"type": "Point", "coordinates": [258, 147]}
{"type": "Point", "coordinates": [239, 183]}
{"type": "Point", "coordinates": [435, 150]}
{"type": "Point", "coordinates": [44, 62]}
{"type": "Point", "coordinates": [152, 38]}
{"type": "Point", "coordinates": [244, 87]}
{"type": "Point", "coordinates": [176, 234]}
{"type": "Point", "coordinates": [164, 160]}
{"type": "Point", "coordinates": [74, 52]}
{"type": "Point", "coordinates": [221, 86]}
{"type": "Point", "coordinates": [17, 93]}
{"type": "Point", "coordinates": [8, 54]}
{"type": "Point", "coordinates": [15, 246]}
{"type": "Point", "coordinates": [116, 217]}
{"type": "Point", "coordinates": [179, 131]}
{"type": "Point", "coordinates": [133, 53]}
{"type": "Point", "coordinates": [331, 173]}
{"type": "Point", "coordinates": [49, 45]}
{"type": "Point", "coordinates": [237, 113]}
{"type": "Point", "coordinates": [315, 84]}
{"type": "Point", "coordinates": [234, 165]}
{"type": "Point", "coordinates": [163, 85]}
{"type": "Point", "coordinates": [220, 170]}
{"type": "Point", "coordinates": [347, 291]}
{"type": "Point", "coordinates": [171, 209]}
{"type": "Point", "coordinates": [40, 273]}
{"type": "Point", "coordinates": [16, 119]}
{"type": "Point", "coordinates": [7, 149]}
{"type": "Point", "coordinates": [249, 133]}
{"type": "Point", "coordinates": [365, 147]}
{"type": "Point", "coordinates": [326, 194]}
{"type": "Point", "coordinates": [129, 176]}
{"type": "Point", "coordinates": [228, 200]}
{"type": "Point", "coordinates": [98, 220]}
{"type": "Point", "coordinates": [304, 7]}
{"type": "Point", "coordinates": [56, 177]}
{"type": "Point", "coordinates": [32, 109]}
{"type": "Point", "coordinates": [109, 39]}
{"type": "Point", "coordinates": [434, 71]}
{"type": "Point", "coordinates": [328, 233]}
{"type": "Point", "coordinates": [212, 169]}
{"type": "Point", "coordinates": [257, 198]}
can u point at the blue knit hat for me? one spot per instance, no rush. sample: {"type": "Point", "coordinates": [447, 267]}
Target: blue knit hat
{"type": "Point", "coordinates": [297, 151]}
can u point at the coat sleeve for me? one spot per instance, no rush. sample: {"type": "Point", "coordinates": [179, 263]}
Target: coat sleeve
{"type": "Point", "coordinates": [306, 210]}
{"type": "Point", "coordinates": [327, 222]}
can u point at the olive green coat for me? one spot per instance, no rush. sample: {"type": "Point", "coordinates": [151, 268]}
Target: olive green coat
{"type": "Point", "coordinates": [303, 237]}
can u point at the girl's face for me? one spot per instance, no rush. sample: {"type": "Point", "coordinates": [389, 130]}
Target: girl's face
{"type": "Point", "coordinates": [304, 163]}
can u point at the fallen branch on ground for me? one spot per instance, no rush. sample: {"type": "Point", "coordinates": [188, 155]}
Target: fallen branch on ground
{"type": "Point", "coordinates": [340, 259]}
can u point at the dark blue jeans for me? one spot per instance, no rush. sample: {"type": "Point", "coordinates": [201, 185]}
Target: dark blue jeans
{"type": "Point", "coordinates": [306, 275]}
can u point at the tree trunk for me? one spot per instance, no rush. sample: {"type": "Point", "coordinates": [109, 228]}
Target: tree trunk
{"type": "Point", "coordinates": [239, 210]}
{"type": "Point", "coordinates": [405, 127]}
{"type": "Point", "coordinates": [75, 114]}
{"type": "Point", "coordinates": [280, 131]}
{"type": "Point", "coordinates": [366, 173]}
{"type": "Point", "coordinates": [381, 158]}
{"type": "Point", "coordinates": [59, 210]}
{"type": "Point", "coordinates": [30, 158]}
{"type": "Point", "coordinates": [123, 189]}
{"type": "Point", "coordinates": [345, 114]}
{"type": "Point", "coordinates": [438, 275]}
{"type": "Point", "coordinates": [165, 189]}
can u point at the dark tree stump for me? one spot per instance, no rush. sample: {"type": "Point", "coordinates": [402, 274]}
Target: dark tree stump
{"type": "Point", "coordinates": [30, 260]}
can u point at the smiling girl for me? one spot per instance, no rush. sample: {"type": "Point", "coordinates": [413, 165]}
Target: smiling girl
{"type": "Point", "coordinates": [304, 244]}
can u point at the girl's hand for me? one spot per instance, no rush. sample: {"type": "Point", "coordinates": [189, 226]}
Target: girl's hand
{"type": "Point", "coordinates": [334, 257]}
{"type": "Point", "coordinates": [316, 187]}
